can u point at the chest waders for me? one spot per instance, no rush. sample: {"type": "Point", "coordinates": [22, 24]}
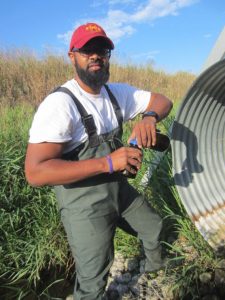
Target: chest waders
{"type": "Point", "coordinates": [92, 208]}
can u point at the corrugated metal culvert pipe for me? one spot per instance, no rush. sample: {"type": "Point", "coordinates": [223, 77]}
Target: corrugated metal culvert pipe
{"type": "Point", "coordinates": [198, 147]}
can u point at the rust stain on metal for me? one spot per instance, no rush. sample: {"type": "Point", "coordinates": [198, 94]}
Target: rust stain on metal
{"type": "Point", "coordinates": [198, 144]}
{"type": "Point", "coordinates": [207, 213]}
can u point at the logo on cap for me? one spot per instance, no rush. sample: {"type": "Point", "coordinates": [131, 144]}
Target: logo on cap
{"type": "Point", "coordinates": [93, 27]}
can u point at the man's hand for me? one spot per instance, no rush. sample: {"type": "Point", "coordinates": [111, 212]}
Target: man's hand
{"type": "Point", "coordinates": [145, 132]}
{"type": "Point", "coordinates": [126, 158]}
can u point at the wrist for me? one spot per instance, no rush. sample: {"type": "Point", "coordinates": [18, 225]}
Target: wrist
{"type": "Point", "coordinates": [110, 164]}
{"type": "Point", "coordinates": [152, 114]}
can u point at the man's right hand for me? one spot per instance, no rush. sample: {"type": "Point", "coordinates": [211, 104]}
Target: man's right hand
{"type": "Point", "coordinates": [126, 158]}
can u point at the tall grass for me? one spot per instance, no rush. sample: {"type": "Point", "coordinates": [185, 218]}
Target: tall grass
{"type": "Point", "coordinates": [33, 249]}
{"type": "Point", "coordinates": [31, 235]}
{"type": "Point", "coordinates": [24, 78]}
{"type": "Point", "coordinates": [173, 86]}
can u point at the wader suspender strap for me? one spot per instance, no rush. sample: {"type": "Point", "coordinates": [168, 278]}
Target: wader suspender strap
{"type": "Point", "coordinates": [88, 120]}
{"type": "Point", "coordinates": [115, 106]}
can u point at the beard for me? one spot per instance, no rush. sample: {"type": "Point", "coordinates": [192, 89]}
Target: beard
{"type": "Point", "coordinates": [93, 79]}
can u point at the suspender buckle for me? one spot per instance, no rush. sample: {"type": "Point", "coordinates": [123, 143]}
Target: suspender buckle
{"type": "Point", "coordinates": [89, 124]}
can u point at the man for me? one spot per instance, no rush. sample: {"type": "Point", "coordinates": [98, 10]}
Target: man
{"type": "Point", "coordinates": [75, 145]}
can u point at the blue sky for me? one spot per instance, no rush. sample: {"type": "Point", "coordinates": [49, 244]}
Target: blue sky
{"type": "Point", "coordinates": [174, 35]}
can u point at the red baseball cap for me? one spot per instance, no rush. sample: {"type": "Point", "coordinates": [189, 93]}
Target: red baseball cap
{"type": "Point", "coordinates": [85, 33]}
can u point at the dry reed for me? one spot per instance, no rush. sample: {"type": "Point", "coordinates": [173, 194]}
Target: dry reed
{"type": "Point", "coordinates": [25, 78]}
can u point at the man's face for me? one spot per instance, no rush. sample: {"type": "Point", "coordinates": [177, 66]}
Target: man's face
{"type": "Point", "coordinates": [92, 63]}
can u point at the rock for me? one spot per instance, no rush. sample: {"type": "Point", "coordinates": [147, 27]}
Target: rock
{"type": "Point", "coordinates": [126, 282]}
{"type": "Point", "coordinates": [221, 264]}
{"type": "Point", "coordinates": [110, 280]}
{"type": "Point", "coordinates": [115, 273]}
{"type": "Point", "coordinates": [112, 287]}
{"type": "Point", "coordinates": [167, 292]}
{"type": "Point", "coordinates": [70, 297]}
{"type": "Point", "coordinates": [117, 265]}
{"type": "Point", "coordinates": [119, 257]}
{"type": "Point", "coordinates": [135, 289]}
{"type": "Point", "coordinates": [112, 295]}
{"type": "Point", "coordinates": [219, 277]}
{"type": "Point", "coordinates": [128, 296]}
{"type": "Point", "coordinates": [131, 264]}
{"type": "Point", "coordinates": [122, 289]}
{"type": "Point", "coordinates": [205, 277]}
{"type": "Point", "coordinates": [143, 280]}
{"type": "Point", "coordinates": [124, 278]}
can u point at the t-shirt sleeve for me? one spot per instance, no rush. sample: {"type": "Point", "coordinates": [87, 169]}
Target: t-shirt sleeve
{"type": "Point", "coordinates": [54, 120]}
{"type": "Point", "coordinates": [132, 100]}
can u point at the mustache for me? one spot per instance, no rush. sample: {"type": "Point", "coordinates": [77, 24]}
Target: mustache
{"type": "Point", "coordinates": [97, 63]}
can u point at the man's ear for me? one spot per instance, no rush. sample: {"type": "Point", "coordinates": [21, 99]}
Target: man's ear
{"type": "Point", "coordinates": [71, 56]}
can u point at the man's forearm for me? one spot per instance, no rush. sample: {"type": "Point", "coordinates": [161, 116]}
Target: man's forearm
{"type": "Point", "coordinates": [58, 171]}
{"type": "Point", "coordinates": [160, 104]}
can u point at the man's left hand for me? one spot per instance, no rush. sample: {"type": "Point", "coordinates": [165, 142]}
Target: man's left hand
{"type": "Point", "coordinates": [144, 132]}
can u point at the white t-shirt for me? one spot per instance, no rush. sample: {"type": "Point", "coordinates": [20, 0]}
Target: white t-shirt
{"type": "Point", "coordinates": [58, 120]}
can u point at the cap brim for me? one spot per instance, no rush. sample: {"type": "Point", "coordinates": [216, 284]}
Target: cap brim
{"type": "Point", "coordinates": [85, 40]}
